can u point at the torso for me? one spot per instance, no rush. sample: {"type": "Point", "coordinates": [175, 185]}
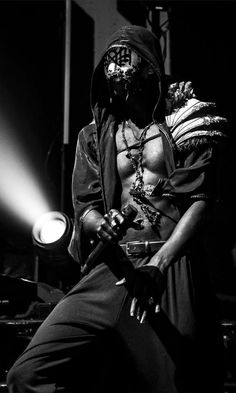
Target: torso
{"type": "Point", "coordinates": [153, 168]}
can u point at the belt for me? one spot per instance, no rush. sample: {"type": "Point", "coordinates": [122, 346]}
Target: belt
{"type": "Point", "coordinates": [137, 248]}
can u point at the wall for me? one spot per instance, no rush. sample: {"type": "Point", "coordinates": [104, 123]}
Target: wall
{"type": "Point", "coordinates": [107, 19]}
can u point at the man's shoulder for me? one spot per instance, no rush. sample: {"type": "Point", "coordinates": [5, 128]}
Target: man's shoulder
{"type": "Point", "coordinates": [87, 139]}
{"type": "Point", "coordinates": [192, 122]}
{"type": "Point", "coordinates": [87, 133]}
{"type": "Point", "coordinates": [88, 129]}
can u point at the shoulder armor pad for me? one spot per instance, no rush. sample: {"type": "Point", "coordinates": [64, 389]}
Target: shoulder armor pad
{"type": "Point", "coordinates": [189, 117]}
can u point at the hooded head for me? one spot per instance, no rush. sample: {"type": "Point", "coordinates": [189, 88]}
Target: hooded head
{"type": "Point", "coordinates": [132, 61]}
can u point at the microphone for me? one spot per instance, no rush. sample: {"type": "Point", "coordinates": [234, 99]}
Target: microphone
{"type": "Point", "coordinates": [129, 213]}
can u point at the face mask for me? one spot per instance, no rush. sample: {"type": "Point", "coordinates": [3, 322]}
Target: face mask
{"type": "Point", "coordinates": [123, 68]}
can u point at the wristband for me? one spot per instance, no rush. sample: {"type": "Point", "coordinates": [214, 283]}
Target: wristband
{"type": "Point", "coordinates": [89, 209]}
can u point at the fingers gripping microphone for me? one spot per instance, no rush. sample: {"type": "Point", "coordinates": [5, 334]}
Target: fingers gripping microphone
{"type": "Point", "coordinates": [129, 213]}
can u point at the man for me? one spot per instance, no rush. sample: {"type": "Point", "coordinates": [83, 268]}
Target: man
{"type": "Point", "coordinates": [142, 318]}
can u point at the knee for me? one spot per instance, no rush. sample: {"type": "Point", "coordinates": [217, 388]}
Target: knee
{"type": "Point", "coordinates": [19, 378]}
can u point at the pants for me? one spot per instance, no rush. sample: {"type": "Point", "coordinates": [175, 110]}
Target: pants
{"type": "Point", "coordinates": [89, 343]}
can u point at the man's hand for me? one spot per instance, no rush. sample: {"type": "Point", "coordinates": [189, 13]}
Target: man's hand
{"type": "Point", "coordinates": [147, 286]}
{"type": "Point", "coordinates": [107, 228]}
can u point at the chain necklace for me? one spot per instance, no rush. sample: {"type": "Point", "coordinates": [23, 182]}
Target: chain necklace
{"type": "Point", "coordinates": [136, 160]}
{"type": "Point", "coordinates": [133, 129]}
{"type": "Point", "coordinates": [137, 189]}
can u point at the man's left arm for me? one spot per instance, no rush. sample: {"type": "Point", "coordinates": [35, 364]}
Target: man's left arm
{"type": "Point", "coordinates": [149, 281]}
{"type": "Point", "coordinates": [184, 232]}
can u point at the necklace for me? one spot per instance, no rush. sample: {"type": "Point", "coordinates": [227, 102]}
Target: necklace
{"type": "Point", "coordinates": [135, 129]}
{"type": "Point", "coordinates": [137, 189]}
{"type": "Point", "coordinates": [136, 160]}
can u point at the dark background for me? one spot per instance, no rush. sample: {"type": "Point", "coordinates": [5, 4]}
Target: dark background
{"type": "Point", "coordinates": [32, 47]}
{"type": "Point", "coordinates": [202, 38]}
{"type": "Point", "coordinates": [202, 48]}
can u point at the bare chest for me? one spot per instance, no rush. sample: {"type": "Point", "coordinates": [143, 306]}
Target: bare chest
{"type": "Point", "coordinates": [149, 153]}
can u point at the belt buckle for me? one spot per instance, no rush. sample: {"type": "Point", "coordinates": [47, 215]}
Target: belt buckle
{"type": "Point", "coordinates": [136, 248]}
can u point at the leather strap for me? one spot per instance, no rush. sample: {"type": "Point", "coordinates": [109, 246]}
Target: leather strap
{"type": "Point", "coordinates": [139, 248]}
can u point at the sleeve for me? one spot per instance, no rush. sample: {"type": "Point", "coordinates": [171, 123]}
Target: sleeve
{"type": "Point", "coordinates": [196, 176]}
{"type": "Point", "coordinates": [197, 134]}
{"type": "Point", "coordinates": [86, 190]}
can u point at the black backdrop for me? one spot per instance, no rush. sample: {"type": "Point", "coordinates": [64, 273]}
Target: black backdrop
{"type": "Point", "coordinates": [202, 50]}
{"type": "Point", "coordinates": [32, 45]}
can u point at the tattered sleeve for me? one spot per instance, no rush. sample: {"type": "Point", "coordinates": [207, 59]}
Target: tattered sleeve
{"type": "Point", "coordinates": [197, 135]}
{"type": "Point", "coordinates": [196, 177]}
{"type": "Point", "coordinates": [86, 190]}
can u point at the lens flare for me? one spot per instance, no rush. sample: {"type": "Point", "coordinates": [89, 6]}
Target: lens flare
{"type": "Point", "coordinates": [20, 190]}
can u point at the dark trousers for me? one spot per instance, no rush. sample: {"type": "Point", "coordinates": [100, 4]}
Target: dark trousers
{"type": "Point", "coordinates": [89, 343]}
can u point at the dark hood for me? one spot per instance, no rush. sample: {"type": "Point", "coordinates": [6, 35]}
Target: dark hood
{"type": "Point", "coordinates": [146, 44]}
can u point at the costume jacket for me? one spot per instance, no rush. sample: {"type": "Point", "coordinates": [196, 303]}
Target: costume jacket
{"type": "Point", "coordinates": [190, 133]}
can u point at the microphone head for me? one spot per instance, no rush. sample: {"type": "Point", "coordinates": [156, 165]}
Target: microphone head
{"type": "Point", "coordinates": [129, 212]}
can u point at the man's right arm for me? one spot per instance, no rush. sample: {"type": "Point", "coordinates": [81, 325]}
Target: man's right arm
{"type": "Point", "coordinates": [86, 190]}
{"type": "Point", "coordinates": [106, 228]}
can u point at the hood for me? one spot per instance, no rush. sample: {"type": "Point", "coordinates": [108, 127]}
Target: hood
{"type": "Point", "coordinates": [146, 44]}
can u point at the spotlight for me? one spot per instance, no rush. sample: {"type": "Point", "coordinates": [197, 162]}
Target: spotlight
{"type": "Point", "coordinates": [51, 234]}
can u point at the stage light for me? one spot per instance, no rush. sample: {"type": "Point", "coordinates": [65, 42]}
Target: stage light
{"type": "Point", "coordinates": [51, 234]}
{"type": "Point", "coordinates": [51, 228]}
{"type": "Point", "coordinates": [24, 195]}
{"type": "Point", "coordinates": [52, 231]}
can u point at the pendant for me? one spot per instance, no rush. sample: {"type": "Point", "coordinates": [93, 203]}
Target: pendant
{"type": "Point", "coordinates": [129, 155]}
{"type": "Point", "coordinates": [148, 189]}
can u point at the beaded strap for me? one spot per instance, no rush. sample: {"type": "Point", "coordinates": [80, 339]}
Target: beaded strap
{"type": "Point", "coordinates": [138, 190]}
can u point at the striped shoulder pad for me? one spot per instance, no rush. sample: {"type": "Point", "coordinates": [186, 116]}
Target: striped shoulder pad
{"type": "Point", "coordinates": [189, 117]}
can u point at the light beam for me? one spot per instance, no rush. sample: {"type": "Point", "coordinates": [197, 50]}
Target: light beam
{"type": "Point", "coordinates": [20, 190]}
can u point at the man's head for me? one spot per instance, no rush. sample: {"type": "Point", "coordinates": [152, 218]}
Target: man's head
{"type": "Point", "coordinates": [125, 70]}
{"type": "Point", "coordinates": [131, 70]}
